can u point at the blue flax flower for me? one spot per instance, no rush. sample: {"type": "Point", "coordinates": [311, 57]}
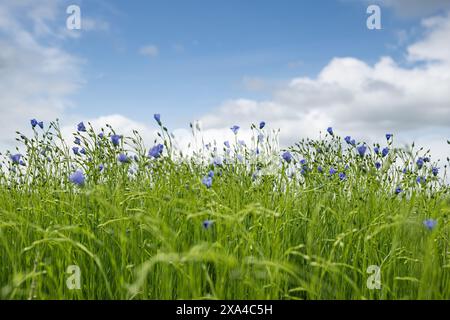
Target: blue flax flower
{"type": "Point", "coordinates": [430, 224]}
{"type": "Point", "coordinates": [81, 127]}
{"type": "Point", "coordinates": [377, 165]}
{"type": "Point", "coordinates": [157, 118]}
{"type": "Point", "coordinates": [262, 124]}
{"type": "Point", "coordinates": [421, 180]}
{"type": "Point", "coordinates": [207, 181]}
{"type": "Point", "coordinates": [362, 150]}
{"type": "Point", "coordinates": [388, 136]}
{"type": "Point", "coordinates": [123, 158]}
{"type": "Point", "coordinates": [330, 130]}
{"type": "Point", "coordinates": [385, 152]}
{"type": "Point", "coordinates": [115, 139]}
{"type": "Point", "coordinates": [420, 163]}
{"type": "Point", "coordinates": [332, 171]}
{"type": "Point", "coordinates": [34, 123]}
{"type": "Point", "coordinates": [398, 190]}
{"type": "Point", "coordinates": [435, 171]}
{"type": "Point", "coordinates": [77, 178]}
{"type": "Point", "coordinates": [155, 151]}
{"type": "Point", "coordinates": [207, 224]}
{"type": "Point", "coordinates": [217, 161]}
{"type": "Point", "coordinates": [15, 158]}
{"type": "Point", "coordinates": [287, 156]}
{"type": "Point", "coordinates": [235, 129]}
{"type": "Point", "coordinates": [342, 176]}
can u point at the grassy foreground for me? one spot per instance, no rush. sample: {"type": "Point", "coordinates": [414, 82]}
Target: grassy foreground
{"type": "Point", "coordinates": [227, 222]}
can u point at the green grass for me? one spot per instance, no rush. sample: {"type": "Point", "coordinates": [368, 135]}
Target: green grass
{"type": "Point", "coordinates": [276, 234]}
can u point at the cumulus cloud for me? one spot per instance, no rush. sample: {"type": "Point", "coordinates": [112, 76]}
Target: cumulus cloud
{"type": "Point", "coordinates": [36, 77]}
{"type": "Point", "coordinates": [361, 99]}
{"type": "Point", "coordinates": [356, 98]}
{"type": "Point", "coordinates": [435, 46]}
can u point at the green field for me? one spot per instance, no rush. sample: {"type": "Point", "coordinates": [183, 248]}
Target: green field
{"type": "Point", "coordinates": [267, 224]}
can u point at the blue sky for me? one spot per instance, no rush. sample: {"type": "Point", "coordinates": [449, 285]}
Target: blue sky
{"type": "Point", "coordinates": [207, 48]}
{"type": "Point", "coordinates": [299, 65]}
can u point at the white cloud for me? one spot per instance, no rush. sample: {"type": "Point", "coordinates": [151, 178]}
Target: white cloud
{"type": "Point", "coordinates": [150, 51]}
{"type": "Point", "coordinates": [356, 98]}
{"type": "Point", "coordinates": [361, 99]}
{"type": "Point", "coordinates": [36, 78]}
{"type": "Point", "coordinates": [436, 45]}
